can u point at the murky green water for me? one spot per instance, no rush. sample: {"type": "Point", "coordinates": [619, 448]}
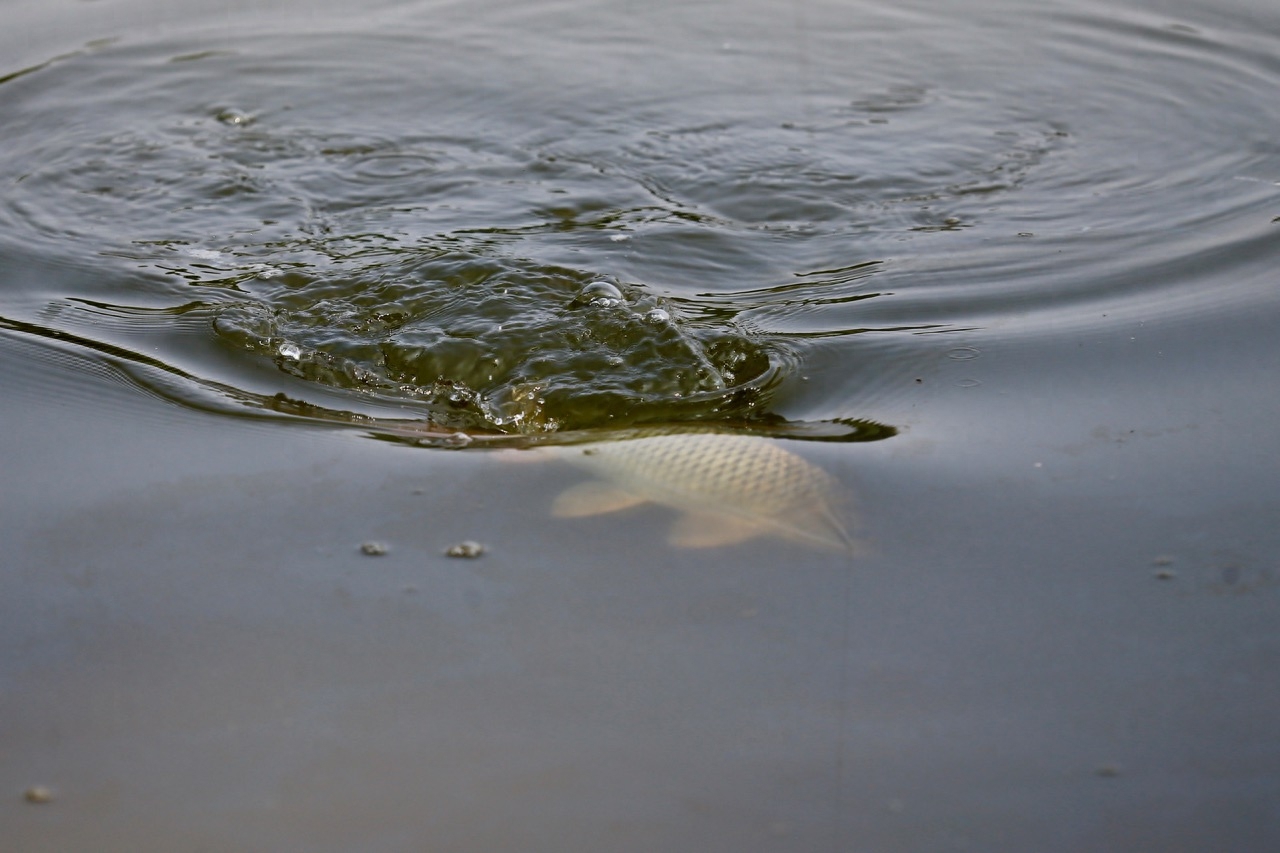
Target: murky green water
{"type": "Point", "coordinates": [1015, 264]}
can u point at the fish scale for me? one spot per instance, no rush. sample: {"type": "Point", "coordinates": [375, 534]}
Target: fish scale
{"type": "Point", "coordinates": [729, 487]}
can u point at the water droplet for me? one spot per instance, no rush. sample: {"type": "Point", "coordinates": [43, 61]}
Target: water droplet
{"type": "Point", "coordinates": [293, 352]}
{"type": "Point", "coordinates": [373, 549]}
{"type": "Point", "coordinates": [618, 238]}
{"type": "Point", "coordinates": [963, 353]}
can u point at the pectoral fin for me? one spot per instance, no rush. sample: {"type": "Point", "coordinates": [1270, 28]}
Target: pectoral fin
{"type": "Point", "coordinates": [817, 526]}
{"type": "Point", "coordinates": [592, 498]}
{"type": "Point", "coordinates": [708, 530]}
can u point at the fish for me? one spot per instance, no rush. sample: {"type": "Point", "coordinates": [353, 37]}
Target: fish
{"type": "Point", "coordinates": [729, 488]}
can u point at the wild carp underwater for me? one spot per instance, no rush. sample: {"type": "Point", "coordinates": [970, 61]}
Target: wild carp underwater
{"type": "Point", "coordinates": [729, 488]}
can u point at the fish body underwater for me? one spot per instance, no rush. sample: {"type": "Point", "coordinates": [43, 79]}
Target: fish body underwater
{"type": "Point", "coordinates": [730, 488]}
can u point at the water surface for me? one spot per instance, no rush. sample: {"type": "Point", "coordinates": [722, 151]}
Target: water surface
{"type": "Point", "coordinates": [1030, 251]}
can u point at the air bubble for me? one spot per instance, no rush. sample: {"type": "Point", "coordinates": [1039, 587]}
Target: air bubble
{"type": "Point", "coordinates": [293, 352]}
{"type": "Point", "coordinates": [658, 316]}
{"type": "Point", "coordinates": [266, 272]}
{"type": "Point", "coordinates": [235, 118]}
{"type": "Point", "coordinates": [456, 439]}
{"type": "Point", "coordinates": [602, 294]}
{"type": "Point", "coordinates": [602, 288]}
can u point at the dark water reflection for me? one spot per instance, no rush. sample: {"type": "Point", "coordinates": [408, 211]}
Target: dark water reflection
{"type": "Point", "coordinates": [1034, 248]}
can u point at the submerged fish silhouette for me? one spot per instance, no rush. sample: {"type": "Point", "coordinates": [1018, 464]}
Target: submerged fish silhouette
{"type": "Point", "coordinates": [730, 487]}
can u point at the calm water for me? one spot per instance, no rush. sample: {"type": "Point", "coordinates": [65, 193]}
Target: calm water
{"type": "Point", "coordinates": [1020, 260]}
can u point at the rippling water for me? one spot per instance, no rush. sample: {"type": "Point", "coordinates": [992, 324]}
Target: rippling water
{"type": "Point", "coordinates": [406, 217]}
{"type": "Point", "coordinates": [1032, 246]}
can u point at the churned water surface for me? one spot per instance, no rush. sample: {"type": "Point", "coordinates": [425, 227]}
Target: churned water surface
{"type": "Point", "coordinates": [625, 215]}
{"type": "Point", "coordinates": [1030, 249]}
